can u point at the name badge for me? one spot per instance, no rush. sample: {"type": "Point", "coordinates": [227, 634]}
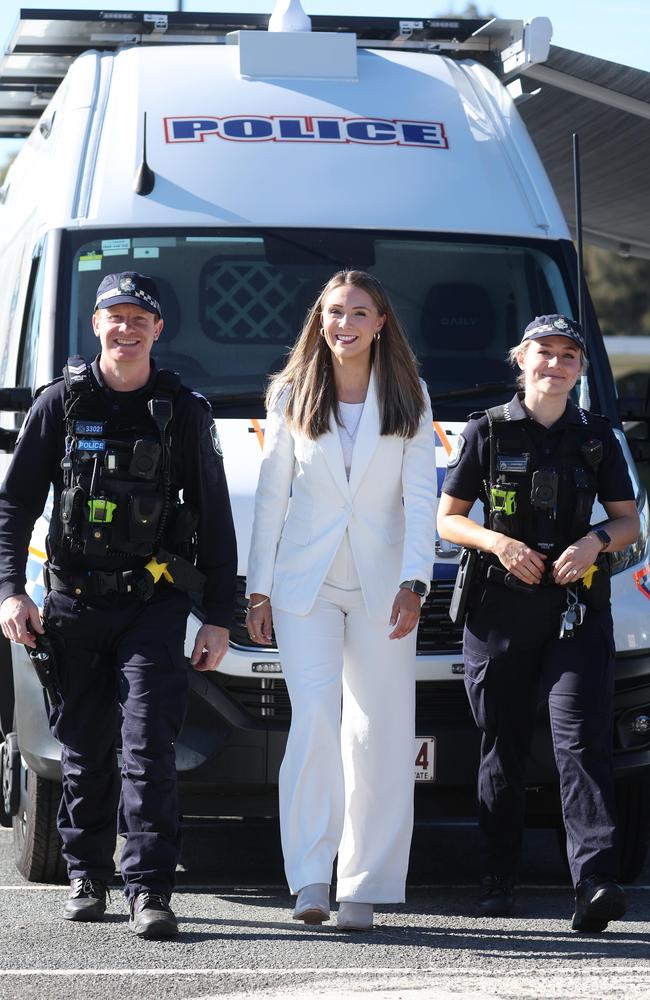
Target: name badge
{"type": "Point", "coordinates": [513, 463]}
{"type": "Point", "coordinates": [88, 444]}
{"type": "Point", "coordinates": [88, 427]}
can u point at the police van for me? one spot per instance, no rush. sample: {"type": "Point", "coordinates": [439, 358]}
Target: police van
{"type": "Point", "coordinates": [241, 164]}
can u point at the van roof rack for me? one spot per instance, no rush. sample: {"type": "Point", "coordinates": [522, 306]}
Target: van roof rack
{"type": "Point", "coordinates": [44, 43]}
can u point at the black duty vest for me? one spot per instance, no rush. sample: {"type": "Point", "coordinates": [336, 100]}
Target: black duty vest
{"type": "Point", "coordinates": [116, 494]}
{"type": "Point", "coordinates": [544, 501]}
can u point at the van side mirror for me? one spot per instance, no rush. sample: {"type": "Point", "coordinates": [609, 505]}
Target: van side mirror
{"type": "Point", "coordinates": [18, 398]}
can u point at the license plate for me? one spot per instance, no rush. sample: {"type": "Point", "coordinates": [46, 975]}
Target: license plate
{"type": "Point", "coordinates": [425, 758]}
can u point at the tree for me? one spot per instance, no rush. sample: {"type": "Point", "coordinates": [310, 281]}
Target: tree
{"type": "Point", "coordinates": [620, 289]}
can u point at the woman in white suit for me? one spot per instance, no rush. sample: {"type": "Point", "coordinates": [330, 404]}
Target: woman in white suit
{"type": "Point", "coordinates": [340, 560]}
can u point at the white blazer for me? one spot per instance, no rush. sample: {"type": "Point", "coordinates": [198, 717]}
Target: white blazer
{"type": "Point", "coordinates": [304, 504]}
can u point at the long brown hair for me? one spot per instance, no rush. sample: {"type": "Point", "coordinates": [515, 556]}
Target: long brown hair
{"type": "Point", "coordinates": [309, 373]}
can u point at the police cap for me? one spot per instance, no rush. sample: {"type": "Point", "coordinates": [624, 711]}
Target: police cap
{"type": "Point", "coordinates": [555, 325]}
{"type": "Point", "coordinates": [128, 286]}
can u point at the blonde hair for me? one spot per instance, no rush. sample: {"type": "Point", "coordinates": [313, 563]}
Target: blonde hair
{"type": "Point", "coordinates": [308, 376]}
{"type": "Point", "coordinates": [513, 360]}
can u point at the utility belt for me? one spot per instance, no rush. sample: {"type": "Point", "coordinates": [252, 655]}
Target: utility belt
{"type": "Point", "coordinates": [163, 568]}
{"type": "Point", "coordinates": [475, 568]}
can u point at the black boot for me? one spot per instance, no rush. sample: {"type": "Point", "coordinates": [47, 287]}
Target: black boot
{"type": "Point", "coordinates": [87, 900]}
{"type": "Point", "coordinates": [599, 899]}
{"type": "Point", "coordinates": [497, 897]}
{"type": "Point", "coordinates": [152, 916]}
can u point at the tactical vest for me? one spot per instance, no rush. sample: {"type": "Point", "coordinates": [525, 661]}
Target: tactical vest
{"type": "Point", "coordinates": [116, 495]}
{"type": "Point", "coordinates": [544, 501]}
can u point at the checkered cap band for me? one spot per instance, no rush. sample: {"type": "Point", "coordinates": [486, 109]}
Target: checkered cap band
{"type": "Point", "coordinates": [139, 293]}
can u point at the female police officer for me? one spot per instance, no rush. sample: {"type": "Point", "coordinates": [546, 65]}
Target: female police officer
{"type": "Point", "coordinates": [543, 613]}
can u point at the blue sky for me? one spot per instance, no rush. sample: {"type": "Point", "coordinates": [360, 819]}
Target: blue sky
{"type": "Point", "coordinates": [618, 30]}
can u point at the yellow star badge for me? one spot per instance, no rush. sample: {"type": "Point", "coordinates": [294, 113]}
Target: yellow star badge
{"type": "Point", "coordinates": [588, 577]}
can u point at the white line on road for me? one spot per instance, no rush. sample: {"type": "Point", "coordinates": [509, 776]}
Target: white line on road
{"type": "Point", "coordinates": [316, 970]}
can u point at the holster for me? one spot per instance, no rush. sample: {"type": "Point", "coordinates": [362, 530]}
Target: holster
{"type": "Point", "coordinates": [468, 579]}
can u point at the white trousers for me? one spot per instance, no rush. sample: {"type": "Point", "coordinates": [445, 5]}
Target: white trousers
{"type": "Point", "coordinates": [346, 781]}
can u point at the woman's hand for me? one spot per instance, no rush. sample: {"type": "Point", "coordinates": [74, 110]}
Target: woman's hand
{"type": "Point", "coordinates": [405, 613]}
{"type": "Point", "coordinates": [576, 560]}
{"type": "Point", "coordinates": [259, 620]}
{"type": "Point", "coordinates": [524, 563]}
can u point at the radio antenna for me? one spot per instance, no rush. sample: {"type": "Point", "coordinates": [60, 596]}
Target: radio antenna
{"type": "Point", "coordinates": [144, 180]}
{"type": "Point", "coordinates": [584, 400]}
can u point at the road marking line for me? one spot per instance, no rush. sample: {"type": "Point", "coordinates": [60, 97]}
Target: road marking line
{"type": "Point", "coordinates": [319, 970]}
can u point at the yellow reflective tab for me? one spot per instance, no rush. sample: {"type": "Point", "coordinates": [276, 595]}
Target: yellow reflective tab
{"type": "Point", "coordinates": [158, 570]}
{"type": "Point", "coordinates": [588, 577]}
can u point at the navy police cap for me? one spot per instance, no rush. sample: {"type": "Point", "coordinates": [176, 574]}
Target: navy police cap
{"type": "Point", "coordinates": [555, 325]}
{"type": "Point", "coordinates": [128, 286]}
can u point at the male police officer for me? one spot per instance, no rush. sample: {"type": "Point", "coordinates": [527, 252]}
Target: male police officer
{"type": "Point", "coordinates": [118, 440]}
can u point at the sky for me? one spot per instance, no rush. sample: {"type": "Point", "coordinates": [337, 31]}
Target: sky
{"type": "Point", "coordinates": [611, 29]}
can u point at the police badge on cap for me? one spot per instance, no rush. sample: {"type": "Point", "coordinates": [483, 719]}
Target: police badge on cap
{"type": "Point", "coordinates": [555, 325]}
{"type": "Point", "coordinates": [129, 286]}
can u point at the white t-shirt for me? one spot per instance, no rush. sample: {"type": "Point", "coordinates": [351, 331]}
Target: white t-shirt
{"type": "Point", "coordinates": [350, 414]}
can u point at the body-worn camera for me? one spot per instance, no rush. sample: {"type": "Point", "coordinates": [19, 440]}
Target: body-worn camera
{"type": "Point", "coordinates": [145, 460]}
{"type": "Point", "coordinates": [543, 493]}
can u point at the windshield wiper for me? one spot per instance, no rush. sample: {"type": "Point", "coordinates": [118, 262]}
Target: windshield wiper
{"type": "Point", "coordinates": [475, 390]}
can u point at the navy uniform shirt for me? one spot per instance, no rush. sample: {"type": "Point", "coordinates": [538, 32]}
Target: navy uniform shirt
{"type": "Point", "coordinates": [468, 471]}
{"type": "Point", "coordinates": [196, 468]}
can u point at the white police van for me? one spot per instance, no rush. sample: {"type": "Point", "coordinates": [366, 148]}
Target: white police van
{"type": "Point", "coordinates": [240, 167]}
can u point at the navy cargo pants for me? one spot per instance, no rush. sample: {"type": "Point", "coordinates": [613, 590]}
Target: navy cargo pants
{"type": "Point", "coordinates": [513, 654]}
{"type": "Point", "coordinates": [120, 652]}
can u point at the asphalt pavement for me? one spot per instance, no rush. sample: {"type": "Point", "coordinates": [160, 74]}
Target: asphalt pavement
{"type": "Point", "coordinates": [238, 940]}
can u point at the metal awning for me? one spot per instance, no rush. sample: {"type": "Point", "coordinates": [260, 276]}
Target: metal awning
{"type": "Point", "coordinates": [608, 105]}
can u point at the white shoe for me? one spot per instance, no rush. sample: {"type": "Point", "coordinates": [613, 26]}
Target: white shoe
{"type": "Point", "coordinates": [355, 916]}
{"type": "Point", "coordinates": [313, 903]}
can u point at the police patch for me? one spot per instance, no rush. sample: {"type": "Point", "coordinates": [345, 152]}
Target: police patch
{"type": "Point", "coordinates": [457, 451]}
{"type": "Point", "coordinates": [216, 443]}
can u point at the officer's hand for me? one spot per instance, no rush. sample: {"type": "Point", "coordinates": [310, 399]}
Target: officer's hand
{"type": "Point", "coordinates": [15, 613]}
{"type": "Point", "coordinates": [405, 613]}
{"type": "Point", "coordinates": [210, 647]}
{"type": "Point", "coordinates": [524, 563]}
{"type": "Point", "coordinates": [576, 560]}
{"type": "Point", "coordinates": [259, 620]}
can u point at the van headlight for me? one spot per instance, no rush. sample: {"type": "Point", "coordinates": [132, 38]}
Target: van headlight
{"type": "Point", "coordinates": [636, 551]}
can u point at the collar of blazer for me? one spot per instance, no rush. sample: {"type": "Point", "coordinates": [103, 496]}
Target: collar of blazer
{"type": "Point", "coordinates": [364, 446]}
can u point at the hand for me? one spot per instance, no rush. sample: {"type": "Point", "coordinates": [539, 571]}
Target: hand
{"type": "Point", "coordinates": [259, 621]}
{"type": "Point", "coordinates": [526, 564]}
{"type": "Point", "coordinates": [576, 560]}
{"type": "Point", "coordinates": [210, 647]}
{"type": "Point", "coordinates": [16, 613]}
{"type": "Point", "coordinates": [405, 613]}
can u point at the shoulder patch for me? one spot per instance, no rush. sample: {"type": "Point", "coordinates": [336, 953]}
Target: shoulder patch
{"type": "Point", "coordinates": [216, 443]}
{"type": "Point", "coordinates": [457, 451]}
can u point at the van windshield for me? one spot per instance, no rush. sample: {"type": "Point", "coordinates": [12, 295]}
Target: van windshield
{"type": "Point", "coordinates": [234, 300]}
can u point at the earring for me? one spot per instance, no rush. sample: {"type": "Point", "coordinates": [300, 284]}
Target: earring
{"type": "Point", "coordinates": [378, 335]}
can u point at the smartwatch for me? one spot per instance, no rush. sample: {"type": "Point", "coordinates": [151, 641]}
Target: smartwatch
{"type": "Point", "coordinates": [416, 586]}
{"type": "Point", "coordinates": [602, 537]}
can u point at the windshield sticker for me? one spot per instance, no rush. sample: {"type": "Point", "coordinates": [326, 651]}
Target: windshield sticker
{"type": "Point", "coordinates": [115, 248]}
{"type": "Point", "coordinates": [273, 128]}
{"type": "Point", "coordinates": [90, 262]}
{"type": "Point", "coordinates": [146, 252]}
